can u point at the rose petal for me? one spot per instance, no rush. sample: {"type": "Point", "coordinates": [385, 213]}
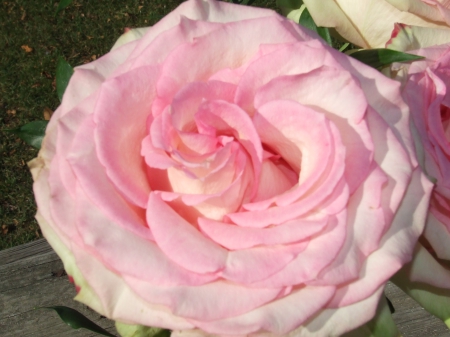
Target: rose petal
{"type": "Point", "coordinates": [353, 21]}
{"type": "Point", "coordinates": [237, 237]}
{"type": "Point", "coordinates": [107, 241]}
{"type": "Point", "coordinates": [130, 36]}
{"type": "Point", "coordinates": [338, 321]}
{"type": "Point", "coordinates": [345, 107]}
{"type": "Point", "coordinates": [282, 62]}
{"type": "Point", "coordinates": [62, 204]}
{"type": "Point", "coordinates": [230, 53]}
{"type": "Point", "coordinates": [87, 78]}
{"type": "Point", "coordinates": [395, 249]}
{"type": "Point", "coordinates": [181, 242]}
{"type": "Point", "coordinates": [92, 178]}
{"type": "Point", "coordinates": [298, 201]}
{"type": "Point", "coordinates": [118, 110]}
{"type": "Point", "coordinates": [119, 300]}
{"type": "Point", "coordinates": [438, 235]}
{"type": "Point", "coordinates": [86, 294]}
{"type": "Point", "coordinates": [228, 118]}
{"type": "Point", "coordinates": [208, 302]}
{"type": "Point", "coordinates": [265, 262]}
{"type": "Point", "coordinates": [202, 10]}
{"type": "Point", "coordinates": [367, 224]}
{"type": "Point", "coordinates": [186, 102]}
{"type": "Point", "coordinates": [430, 9]}
{"type": "Point", "coordinates": [409, 38]}
{"type": "Point", "coordinates": [322, 249]}
{"type": "Point", "coordinates": [280, 316]}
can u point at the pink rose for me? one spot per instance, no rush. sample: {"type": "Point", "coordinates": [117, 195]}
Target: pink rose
{"type": "Point", "coordinates": [426, 88]}
{"type": "Point", "coordinates": [225, 172]}
{"type": "Point", "coordinates": [369, 23]}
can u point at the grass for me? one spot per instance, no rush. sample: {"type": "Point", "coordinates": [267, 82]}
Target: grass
{"type": "Point", "coordinates": [31, 40]}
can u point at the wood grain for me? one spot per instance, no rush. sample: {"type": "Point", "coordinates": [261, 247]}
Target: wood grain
{"type": "Point", "coordinates": [412, 320]}
{"type": "Point", "coordinates": [37, 279]}
{"type": "Point", "coordinates": [32, 276]}
{"type": "Point", "coordinates": [22, 252]}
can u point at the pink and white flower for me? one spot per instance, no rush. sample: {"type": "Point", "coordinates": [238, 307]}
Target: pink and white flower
{"type": "Point", "coordinates": [426, 88]}
{"type": "Point", "coordinates": [369, 23]}
{"type": "Point", "coordinates": [225, 172]}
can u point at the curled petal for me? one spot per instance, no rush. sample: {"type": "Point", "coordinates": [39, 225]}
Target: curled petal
{"type": "Point", "coordinates": [178, 239]}
{"type": "Point", "coordinates": [237, 237]}
{"type": "Point", "coordinates": [116, 112]}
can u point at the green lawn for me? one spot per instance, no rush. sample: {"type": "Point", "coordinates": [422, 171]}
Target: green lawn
{"type": "Point", "coordinates": [31, 40]}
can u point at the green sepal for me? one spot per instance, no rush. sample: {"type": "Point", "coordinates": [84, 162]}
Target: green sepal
{"type": "Point", "coordinates": [76, 320]}
{"type": "Point", "coordinates": [307, 21]}
{"type": "Point", "coordinates": [163, 333]}
{"type": "Point", "coordinates": [359, 332]}
{"type": "Point", "coordinates": [31, 133]}
{"type": "Point", "coordinates": [63, 4]}
{"type": "Point", "coordinates": [382, 325]}
{"type": "Point", "coordinates": [64, 72]}
{"type": "Point", "coordinates": [378, 58]}
{"type": "Point", "coordinates": [433, 299]}
{"type": "Point", "coordinates": [129, 330]}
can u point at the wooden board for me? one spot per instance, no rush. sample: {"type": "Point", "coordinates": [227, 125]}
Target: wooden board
{"type": "Point", "coordinates": [37, 280]}
{"type": "Point", "coordinates": [32, 275]}
{"type": "Point", "coordinates": [412, 320]}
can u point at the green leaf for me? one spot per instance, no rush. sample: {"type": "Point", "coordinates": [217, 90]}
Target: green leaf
{"type": "Point", "coordinates": [381, 325]}
{"type": "Point", "coordinates": [378, 58]}
{"type": "Point", "coordinates": [63, 4]}
{"type": "Point", "coordinates": [76, 320]}
{"type": "Point", "coordinates": [287, 6]}
{"type": "Point", "coordinates": [243, 2]}
{"type": "Point", "coordinates": [307, 21]}
{"type": "Point", "coordinates": [64, 72]}
{"type": "Point", "coordinates": [324, 33]}
{"type": "Point", "coordinates": [345, 45]}
{"type": "Point", "coordinates": [294, 4]}
{"type": "Point", "coordinates": [292, 9]}
{"type": "Point", "coordinates": [129, 330]}
{"type": "Point", "coordinates": [31, 133]}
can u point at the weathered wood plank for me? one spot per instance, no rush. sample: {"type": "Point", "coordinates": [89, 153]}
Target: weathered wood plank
{"type": "Point", "coordinates": [30, 276]}
{"type": "Point", "coordinates": [412, 320]}
{"type": "Point", "coordinates": [31, 282]}
{"type": "Point", "coordinates": [21, 252]}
